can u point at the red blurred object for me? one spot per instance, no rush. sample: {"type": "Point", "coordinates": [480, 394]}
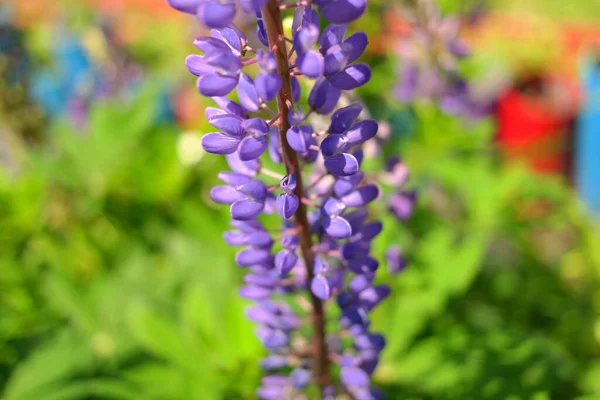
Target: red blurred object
{"type": "Point", "coordinates": [534, 125]}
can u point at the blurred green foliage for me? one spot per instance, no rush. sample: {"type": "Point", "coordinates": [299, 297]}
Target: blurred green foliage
{"type": "Point", "coordinates": [115, 283]}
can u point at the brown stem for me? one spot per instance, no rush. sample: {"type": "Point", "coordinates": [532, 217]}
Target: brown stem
{"type": "Point", "coordinates": [274, 29]}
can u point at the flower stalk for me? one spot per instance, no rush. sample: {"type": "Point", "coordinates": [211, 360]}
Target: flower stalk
{"type": "Point", "coordinates": [275, 37]}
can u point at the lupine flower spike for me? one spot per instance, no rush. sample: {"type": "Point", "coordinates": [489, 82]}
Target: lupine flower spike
{"type": "Point", "coordinates": [322, 254]}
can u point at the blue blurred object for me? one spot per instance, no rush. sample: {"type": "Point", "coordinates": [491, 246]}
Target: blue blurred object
{"type": "Point", "coordinates": [587, 160]}
{"type": "Point", "coordinates": [70, 74]}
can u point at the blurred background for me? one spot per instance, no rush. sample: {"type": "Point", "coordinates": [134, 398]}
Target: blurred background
{"type": "Point", "coordinates": [115, 282]}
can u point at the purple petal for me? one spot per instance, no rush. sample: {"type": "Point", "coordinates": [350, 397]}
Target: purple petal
{"type": "Point", "coordinates": [343, 11]}
{"type": "Point", "coordinates": [244, 210]}
{"type": "Point", "coordinates": [252, 5]}
{"type": "Point", "coordinates": [256, 126]}
{"type": "Point", "coordinates": [262, 280]}
{"type": "Point", "coordinates": [311, 64]}
{"type": "Point", "coordinates": [370, 297]}
{"type": "Point", "coordinates": [402, 204]}
{"type": "Point", "coordinates": [216, 15]}
{"type": "Point", "coordinates": [217, 143]}
{"type": "Point", "coordinates": [230, 124]}
{"type": "Point", "coordinates": [247, 93]}
{"type": "Point", "coordinates": [232, 37]}
{"type": "Point", "coordinates": [260, 239]}
{"type": "Point", "coordinates": [334, 61]}
{"type": "Point", "coordinates": [361, 132]}
{"type": "Point", "coordinates": [396, 262]}
{"type": "Point", "coordinates": [198, 66]}
{"type": "Point", "coordinates": [230, 106]}
{"type": "Point", "coordinates": [332, 35]}
{"type": "Point", "coordinates": [361, 196]}
{"type": "Point", "coordinates": [275, 145]}
{"type": "Point", "coordinates": [342, 164]}
{"type": "Point", "coordinates": [333, 144]}
{"type": "Point", "coordinates": [300, 377]}
{"type": "Point", "coordinates": [274, 339]}
{"type": "Point", "coordinates": [323, 97]}
{"type": "Point", "coordinates": [355, 45]}
{"type": "Point", "coordinates": [295, 89]}
{"type": "Point", "coordinates": [338, 228]}
{"type": "Point", "coordinates": [251, 148]}
{"type": "Point", "coordinates": [187, 6]}
{"type": "Point", "coordinates": [299, 139]}
{"type": "Point", "coordinates": [352, 77]}
{"type": "Point", "coordinates": [225, 194]}
{"type": "Point", "coordinates": [234, 178]}
{"type": "Point", "coordinates": [216, 84]}
{"type": "Point", "coordinates": [251, 256]}
{"type": "Point", "coordinates": [370, 230]}
{"type": "Point", "coordinates": [255, 190]}
{"type": "Point", "coordinates": [285, 261]}
{"type": "Point", "coordinates": [273, 362]}
{"type": "Point", "coordinates": [235, 238]}
{"type": "Point", "coordinates": [360, 283]}
{"type": "Point", "coordinates": [249, 168]}
{"type": "Point", "coordinates": [363, 265]}
{"type": "Point", "coordinates": [333, 207]}
{"type": "Point", "coordinates": [320, 287]}
{"type": "Point", "coordinates": [288, 183]}
{"type": "Point", "coordinates": [287, 205]}
{"type": "Point", "coordinates": [252, 292]}
{"type": "Point", "coordinates": [352, 250]}
{"type": "Point", "coordinates": [320, 266]}
{"type": "Point", "coordinates": [342, 119]}
{"type": "Point", "coordinates": [354, 377]}
{"type": "Point", "coordinates": [267, 85]}
{"type": "Point", "coordinates": [260, 29]}
{"type": "Point", "coordinates": [346, 184]}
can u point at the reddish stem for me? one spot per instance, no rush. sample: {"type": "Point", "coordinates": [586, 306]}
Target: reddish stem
{"type": "Point", "coordinates": [274, 29]}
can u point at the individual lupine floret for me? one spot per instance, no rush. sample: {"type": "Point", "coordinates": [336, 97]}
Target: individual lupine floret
{"type": "Point", "coordinates": [218, 70]}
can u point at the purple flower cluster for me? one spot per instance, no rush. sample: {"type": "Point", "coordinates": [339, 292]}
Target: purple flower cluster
{"type": "Point", "coordinates": [321, 255]}
{"type": "Point", "coordinates": [429, 58]}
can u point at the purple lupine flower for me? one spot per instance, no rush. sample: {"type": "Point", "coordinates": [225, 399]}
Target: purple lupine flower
{"type": "Point", "coordinates": [322, 251]}
{"type": "Point", "coordinates": [429, 59]}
